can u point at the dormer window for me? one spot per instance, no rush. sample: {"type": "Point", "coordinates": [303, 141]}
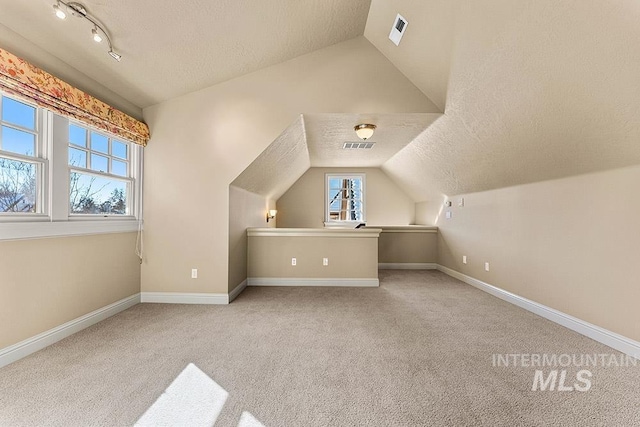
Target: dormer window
{"type": "Point", "coordinates": [344, 199]}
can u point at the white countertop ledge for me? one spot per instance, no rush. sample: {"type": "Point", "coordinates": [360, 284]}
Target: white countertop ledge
{"type": "Point", "coordinates": [314, 232]}
{"type": "Point", "coordinates": [405, 228]}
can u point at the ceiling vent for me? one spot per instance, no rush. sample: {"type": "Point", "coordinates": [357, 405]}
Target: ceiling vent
{"type": "Point", "coordinates": [358, 145]}
{"type": "Point", "coordinates": [398, 29]}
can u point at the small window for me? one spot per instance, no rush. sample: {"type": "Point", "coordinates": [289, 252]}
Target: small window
{"type": "Point", "coordinates": [21, 167]}
{"type": "Point", "coordinates": [100, 181]}
{"type": "Point", "coordinates": [345, 198]}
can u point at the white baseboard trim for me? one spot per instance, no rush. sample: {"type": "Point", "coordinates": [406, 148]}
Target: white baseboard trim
{"type": "Point", "coordinates": [31, 345]}
{"type": "Point", "coordinates": [604, 336]}
{"type": "Point", "coordinates": [289, 281]}
{"type": "Point", "coordinates": [407, 266]}
{"type": "Point", "coordinates": [183, 298]}
{"type": "Point", "coordinates": [237, 290]}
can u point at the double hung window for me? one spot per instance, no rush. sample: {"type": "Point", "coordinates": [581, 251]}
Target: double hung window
{"type": "Point", "coordinates": [22, 162]}
{"type": "Point", "coordinates": [59, 171]}
{"type": "Point", "coordinates": [99, 173]}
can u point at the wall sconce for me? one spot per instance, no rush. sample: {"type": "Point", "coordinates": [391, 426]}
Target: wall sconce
{"type": "Point", "coordinates": [271, 214]}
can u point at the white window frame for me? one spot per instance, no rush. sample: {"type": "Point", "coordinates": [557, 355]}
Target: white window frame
{"type": "Point", "coordinates": [40, 158]}
{"type": "Point", "coordinates": [328, 222]}
{"type": "Point", "coordinates": [53, 192]}
{"type": "Point", "coordinates": [132, 167]}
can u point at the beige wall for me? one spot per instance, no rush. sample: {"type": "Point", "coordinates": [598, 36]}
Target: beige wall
{"type": "Point", "coordinates": [349, 257]}
{"type": "Point", "coordinates": [246, 210]}
{"type": "Point", "coordinates": [302, 206]}
{"type": "Point", "coordinates": [202, 141]}
{"type": "Point", "coordinates": [407, 247]}
{"type": "Point", "coordinates": [48, 282]}
{"type": "Point", "coordinates": [427, 212]}
{"type": "Point", "coordinates": [571, 244]}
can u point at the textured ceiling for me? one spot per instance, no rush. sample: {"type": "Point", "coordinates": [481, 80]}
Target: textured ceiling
{"type": "Point", "coordinates": [424, 55]}
{"type": "Point", "coordinates": [326, 134]}
{"type": "Point", "coordinates": [172, 48]}
{"type": "Point", "coordinates": [536, 91]}
{"type": "Point", "coordinates": [531, 90]}
{"type": "Point", "coordinates": [315, 140]}
{"type": "Point", "coordinates": [279, 166]}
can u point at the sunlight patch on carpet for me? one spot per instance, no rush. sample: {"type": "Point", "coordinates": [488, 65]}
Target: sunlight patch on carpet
{"type": "Point", "coordinates": [193, 399]}
{"type": "Point", "coordinates": [248, 420]}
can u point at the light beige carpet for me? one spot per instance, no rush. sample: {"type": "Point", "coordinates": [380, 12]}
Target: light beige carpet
{"type": "Point", "coordinates": [416, 351]}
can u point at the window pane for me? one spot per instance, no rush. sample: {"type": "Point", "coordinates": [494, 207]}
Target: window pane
{"type": "Point", "coordinates": [18, 113]}
{"type": "Point", "coordinates": [18, 141]}
{"type": "Point", "coordinates": [77, 158]}
{"type": "Point", "coordinates": [99, 143]}
{"type": "Point", "coordinates": [99, 163]}
{"type": "Point", "coordinates": [18, 191]}
{"type": "Point", "coordinates": [90, 194]}
{"type": "Point", "coordinates": [77, 135]}
{"type": "Point", "coordinates": [345, 198]}
{"type": "Point", "coordinates": [119, 149]}
{"type": "Point", "coordinates": [118, 168]}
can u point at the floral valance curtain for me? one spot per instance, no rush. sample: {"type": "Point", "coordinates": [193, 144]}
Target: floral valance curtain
{"type": "Point", "coordinates": [20, 78]}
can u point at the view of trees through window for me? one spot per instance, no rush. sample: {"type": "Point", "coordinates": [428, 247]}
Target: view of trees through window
{"type": "Point", "coordinates": [95, 161]}
{"type": "Point", "coordinates": [90, 194]}
{"type": "Point", "coordinates": [18, 192]}
{"type": "Point", "coordinates": [18, 175]}
{"type": "Point", "coordinates": [99, 166]}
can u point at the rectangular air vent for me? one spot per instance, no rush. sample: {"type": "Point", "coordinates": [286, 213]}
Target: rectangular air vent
{"type": "Point", "coordinates": [358, 145]}
{"type": "Point", "coordinates": [398, 29]}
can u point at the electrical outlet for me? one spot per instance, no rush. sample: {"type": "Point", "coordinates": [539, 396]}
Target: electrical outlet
{"type": "Point", "coordinates": [325, 261]}
{"type": "Point", "coordinates": [194, 273]}
{"type": "Point", "coordinates": [448, 214]}
{"type": "Point", "coordinates": [486, 266]}
{"type": "Point", "coordinates": [293, 261]}
{"type": "Point", "coordinates": [464, 259]}
{"type": "Point", "coordinates": [461, 202]}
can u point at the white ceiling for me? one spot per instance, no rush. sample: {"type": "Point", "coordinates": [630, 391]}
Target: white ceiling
{"type": "Point", "coordinates": [327, 133]}
{"type": "Point", "coordinates": [316, 140]}
{"type": "Point", "coordinates": [279, 166]}
{"type": "Point", "coordinates": [531, 91]}
{"type": "Point", "coordinates": [170, 48]}
{"type": "Point", "coordinates": [535, 90]}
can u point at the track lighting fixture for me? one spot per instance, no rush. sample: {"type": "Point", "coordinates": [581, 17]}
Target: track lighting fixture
{"type": "Point", "coordinates": [98, 32]}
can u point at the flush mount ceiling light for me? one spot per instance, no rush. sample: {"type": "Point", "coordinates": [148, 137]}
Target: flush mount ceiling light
{"type": "Point", "coordinates": [364, 130]}
{"type": "Point", "coordinates": [61, 8]}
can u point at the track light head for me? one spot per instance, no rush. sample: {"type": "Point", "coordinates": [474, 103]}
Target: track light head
{"type": "Point", "coordinates": [115, 56]}
{"type": "Point", "coordinates": [59, 12]}
{"type": "Point", "coordinates": [96, 36]}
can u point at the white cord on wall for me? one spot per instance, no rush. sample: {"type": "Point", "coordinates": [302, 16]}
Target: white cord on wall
{"type": "Point", "coordinates": [139, 241]}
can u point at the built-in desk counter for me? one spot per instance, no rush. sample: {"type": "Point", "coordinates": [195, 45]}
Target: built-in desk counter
{"type": "Point", "coordinates": [407, 247]}
{"type": "Point", "coordinates": [351, 257]}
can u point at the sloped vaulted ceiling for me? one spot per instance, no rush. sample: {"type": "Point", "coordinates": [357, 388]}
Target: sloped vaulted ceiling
{"type": "Point", "coordinates": [531, 90]}
{"type": "Point", "coordinates": [172, 48]}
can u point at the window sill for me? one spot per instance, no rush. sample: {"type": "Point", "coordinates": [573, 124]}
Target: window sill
{"type": "Point", "coordinates": [342, 224]}
{"type": "Point", "coordinates": [38, 230]}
